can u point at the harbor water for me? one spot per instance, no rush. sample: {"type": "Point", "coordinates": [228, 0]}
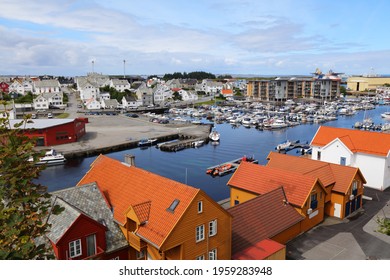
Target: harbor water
{"type": "Point", "coordinates": [189, 166]}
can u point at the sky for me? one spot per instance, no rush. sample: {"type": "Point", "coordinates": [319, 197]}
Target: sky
{"type": "Point", "coordinates": [238, 37]}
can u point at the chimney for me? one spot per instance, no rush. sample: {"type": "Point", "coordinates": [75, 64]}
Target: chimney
{"type": "Point", "coordinates": [130, 160]}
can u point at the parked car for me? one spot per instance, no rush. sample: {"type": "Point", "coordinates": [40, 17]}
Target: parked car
{"type": "Point", "coordinates": [132, 115]}
{"type": "Point", "coordinates": [50, 115]}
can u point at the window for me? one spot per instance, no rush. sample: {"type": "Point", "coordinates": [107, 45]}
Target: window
{"type": "Point", "coordinates": [91, 245]}
{"type": "Point", "coordinates": [343, 161]}
{"type": "Point", "coordinates": [318, 155]}
{"type": "Point", "coordinates": [200, 206]}
{"type": "Point", "coordinates": [213, 228]}
{"type": "Point", "coordinates": [173, 205]}
{"type": "Point", "coordinates": [313, 201]}
{"type": "Point", "coordinates": [75, 248]}
{"type": "Point", "coordinates": [140, 255]}
{"type": "Point", "coordinates": [199, 233]}
{"type": "Point", "coordinates": [200, 258]}
{"type": "Point", "coordinates": [354, 187]}
{"type": "Point", "coordinates": [213, 254]}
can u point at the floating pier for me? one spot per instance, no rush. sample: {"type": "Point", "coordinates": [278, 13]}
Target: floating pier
{"type": "Point", "coordinates": [174, 146]}
{"type": "Point", "coordinates": [293, 145]}
{"type": "Point", "coordinates": [227, 167]}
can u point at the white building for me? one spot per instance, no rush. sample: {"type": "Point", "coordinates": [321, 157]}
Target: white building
{"type": "Point", "coordinates": [92, 104]}
{"type": "Point", "coordinates": [46, 86]}
{"type": "Point", "coordinates": [49, 100]}
{"type": "Point", "coordinates": [369, 151]}
{"type": "Point", "coordinates": [130, 102]}
{"type": "Point", "coordinates": [120, 85]}
{"type": "Point", "coordinates": [16, 86]}
{"type": "Point", "coordinates": [109, 104]}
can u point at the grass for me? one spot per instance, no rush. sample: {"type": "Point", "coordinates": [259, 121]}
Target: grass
{"type": "Point", "coordinates": [63, 116]}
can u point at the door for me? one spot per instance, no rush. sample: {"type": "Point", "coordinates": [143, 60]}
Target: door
{"type": "Point", "coordinates": [347, 208]}
{"type": "Point", "coordinates": [353, 205]}
{"type": "Point", "coordinates": [337, 210]}
{"type": "Point", "coordinates": [358, 201]}
{"type": "Point", "coordinates": [91, 245]}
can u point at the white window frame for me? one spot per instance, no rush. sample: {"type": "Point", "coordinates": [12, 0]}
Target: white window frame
{"type": "Point", "coordinates": [200, 206]}
{"type": "Point", "coordinates": [213, 254]}
{"type": "Point", "coordinates": [140, 255]}
{"type": "Point", "coordinates": [200, 258]}
{"type": "Point", "coordinates": [213, 228]}
{"type": "Point", "coordinates": [75, 249]}
{"type": "Point", "coordinates": [199, 233]}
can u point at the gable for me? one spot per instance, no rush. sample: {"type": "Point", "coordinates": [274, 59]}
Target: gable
{"type": "Point", "coordinates": [263, 179]}
{"type": "Point", "coordinates": [368, 142]}
{"type": "Point", "coordinates": [125, 185]}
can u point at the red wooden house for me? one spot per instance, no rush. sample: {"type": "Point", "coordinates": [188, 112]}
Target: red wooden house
{"type": "Point", "coordinates": [85, 229]}
{"type": "Point", "coordinates": [4, 87]}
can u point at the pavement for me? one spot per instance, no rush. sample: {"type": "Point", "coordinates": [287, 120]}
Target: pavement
{"type": "Point", "coordinates": [353, 238]}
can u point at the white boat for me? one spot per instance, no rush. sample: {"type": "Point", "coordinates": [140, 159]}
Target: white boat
{"type": "Point", "coordinates": [146, 142]}
{"type": "Point", "coordinates": [214, 135]}
{"type": "Point", "coordinates": [51, 157]}
{"type": "Point", "coordinates": [386, 115]}
{"type": "Point", "coordinates": [278, 123]}
{"type": "Point", "coordinates": [198, 143]}
{"type": "Point", "coordinates": [283, 146]}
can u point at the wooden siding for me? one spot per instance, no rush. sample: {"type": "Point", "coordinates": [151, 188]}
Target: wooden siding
{"type": "Point", "coordinates": [184, 234]}
{"type": "Point", "coordinates": [288, 234]}
{"type": "Point", "coordinates": [80, 229]}
{"type": "Point", "coordinates": [279, 255]}
{"type": "Point", "coordinates": [315, 217]}
{"type": "Point", "coordinates": [240, 195]}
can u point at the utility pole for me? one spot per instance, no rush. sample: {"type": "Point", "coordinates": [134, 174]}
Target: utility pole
{"type": "Point", "coordinates": [124, 68]}
{"type": "Point", "coordinates": [93, 64]}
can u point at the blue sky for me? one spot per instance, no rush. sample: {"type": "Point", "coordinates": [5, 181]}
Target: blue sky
{"type": "Point", "coordinates": [279, 37]}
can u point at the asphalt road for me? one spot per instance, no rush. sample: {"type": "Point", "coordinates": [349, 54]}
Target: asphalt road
{"type": "Point", "coordinates": [353, 238]}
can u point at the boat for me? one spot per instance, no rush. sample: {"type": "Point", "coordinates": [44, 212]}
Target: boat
{"type": "Point", "coordinates": [278, 123]}
{"type": "Point", "coordinates": [198, 143]}
{"type": "Point", "coordinates": [214, 135]}
{"type": "Point", "coordinates": [284, 145]}
{"type": "Point", "coordinates": [51, 157]}
{"type": "Point", "coordinates": [228, 167]}
{"type": "Point", "coordinates": [386, 115]}
{"type": "Point", "coordinates": [146, 142]}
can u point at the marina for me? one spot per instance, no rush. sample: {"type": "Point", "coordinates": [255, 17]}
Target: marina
{"type": "Point", "coordinates": [189, 165]}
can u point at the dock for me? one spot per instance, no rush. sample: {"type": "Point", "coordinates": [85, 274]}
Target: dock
{"type": "Point", "coordinates": [180, 144]}
{"type": "Point", "coordinates": [294, 145]}
{"type": "Point", "coordinates": [226, 167]}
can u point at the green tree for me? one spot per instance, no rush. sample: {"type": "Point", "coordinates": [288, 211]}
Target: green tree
{"type": "Point", "coordinates": [384, 225]}
{"type": "Point", "coordinates": [23, 205]}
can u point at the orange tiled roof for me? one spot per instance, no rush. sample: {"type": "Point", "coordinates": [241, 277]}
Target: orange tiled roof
{"type": "Point", "coordinates": [259, 251]}
{"type": "Point", "coordinates": [263, 179]}
{"type": "Point", "coordinates": [227, 91]}
{"type": "Point", "coordinates": [266, 215]}
{"type": "Point", "coordinates": [367, 142]}
{"type": "Point", "coordinates": [328, 173]}
{"type": "Point", "coordinates": [149, 194]}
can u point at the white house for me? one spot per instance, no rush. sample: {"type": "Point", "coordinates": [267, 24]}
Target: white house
{"type": "Point", "coordinates": [92, 104]}
{"type": "Point", "coordinates": [130, 102]}
{"type": "Point", "coordinates": [161, 93]}
{"type": "Point", "coordinates": [46, 86]}
{"type": "Point", "coordinates": [109, 104]}
{"type": "Point", "coordinates": [120, 85]}
{"type": "Point", "coordinates": [367, 150]}
{"type": "Point", "coordinates": [41, 102]}
{"type": "Point", "coordinates": [17, 87]}
{"type": "Point", "coordinates": [49, 100]}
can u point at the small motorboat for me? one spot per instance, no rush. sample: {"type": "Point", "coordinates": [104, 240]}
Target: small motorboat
{"type": "Point", "coordinates": [283, 146]}
{"type": "Point", "coordinates": [51, 157]}
{"type": "Point", "coordinates": [146, 142]}
{"type": "Point", "coordinates": [198, 143]}
{"type": "Point", "coordinates": [214, 135]}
